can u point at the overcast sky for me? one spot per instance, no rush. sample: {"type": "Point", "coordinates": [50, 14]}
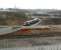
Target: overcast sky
{"type": "Point", "coordinates": [31, 4]}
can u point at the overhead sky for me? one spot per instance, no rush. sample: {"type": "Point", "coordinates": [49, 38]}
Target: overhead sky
{"type": "Point", "coordinates": [31, 4]}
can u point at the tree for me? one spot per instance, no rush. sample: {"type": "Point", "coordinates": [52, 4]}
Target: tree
{"type": "Point", "coordinates": [20, 15]}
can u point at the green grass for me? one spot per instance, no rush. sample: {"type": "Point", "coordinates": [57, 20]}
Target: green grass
{"type": "Point", "coordinates": [24, 36]}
